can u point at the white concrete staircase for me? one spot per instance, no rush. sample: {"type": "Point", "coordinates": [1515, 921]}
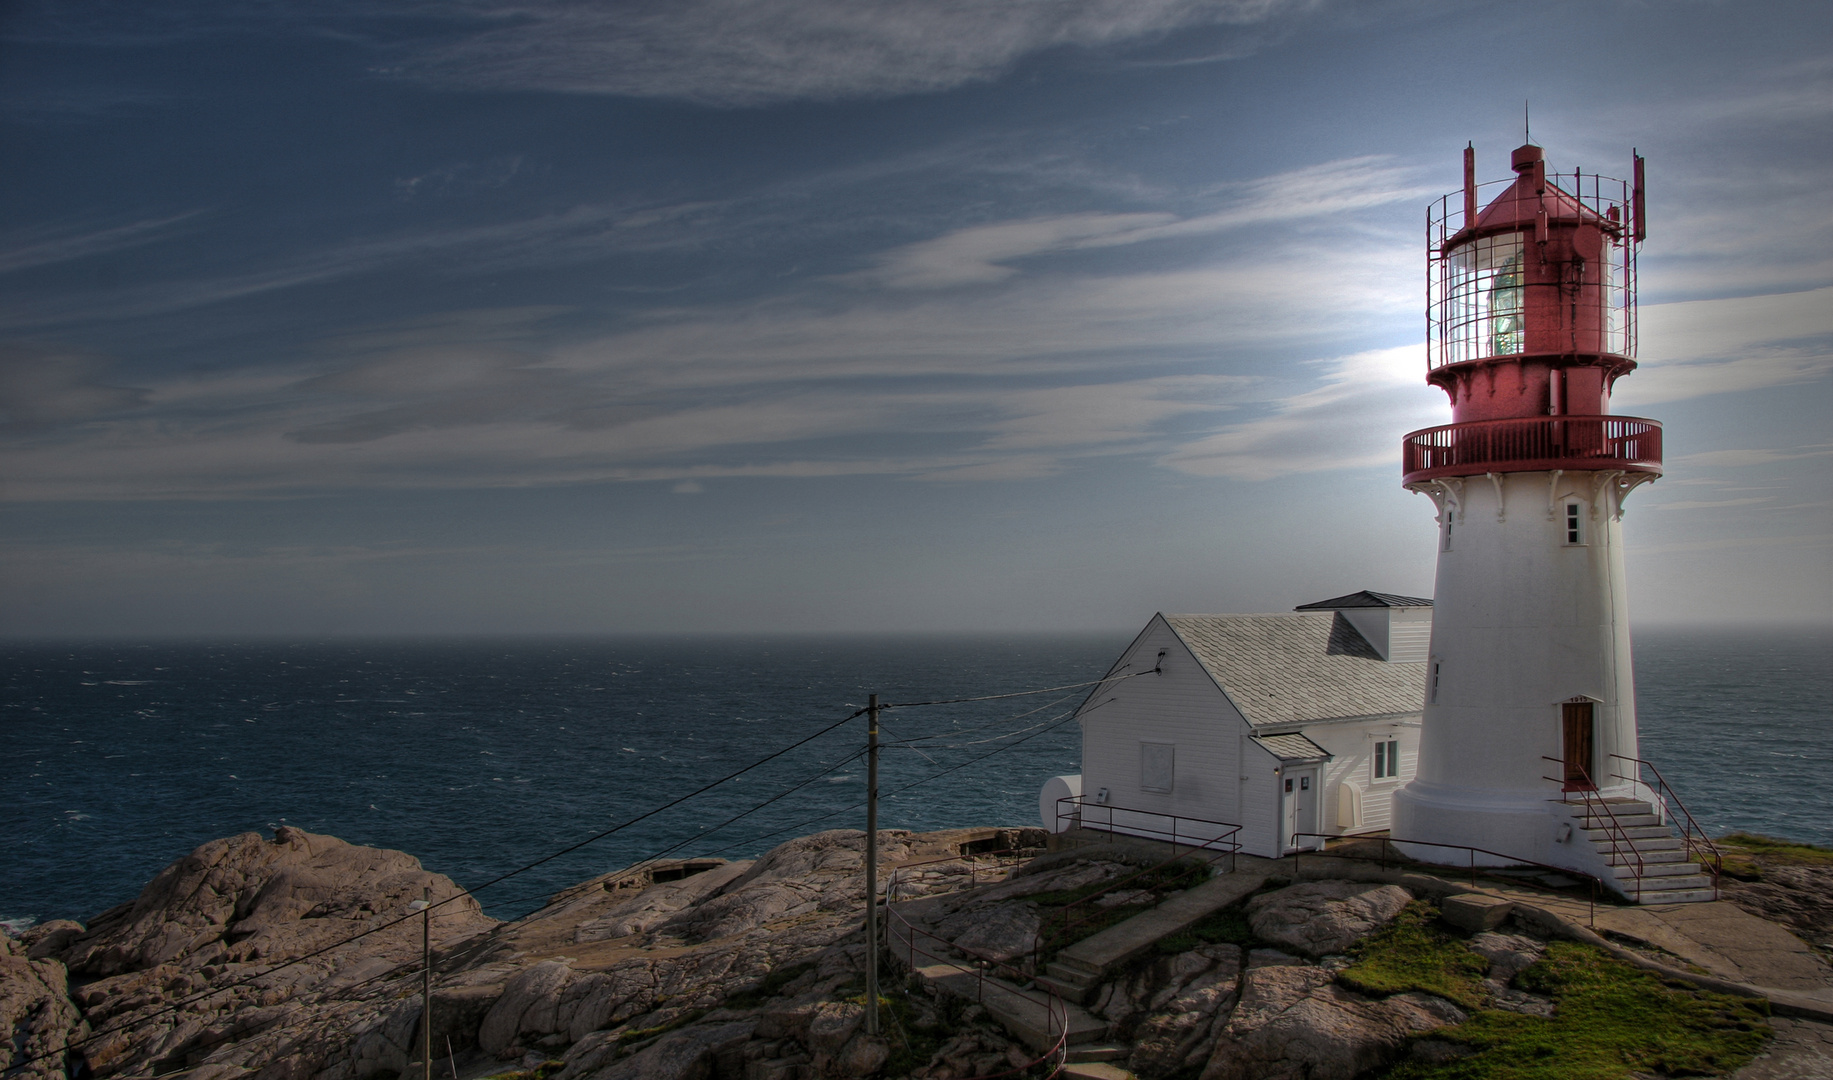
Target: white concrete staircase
{"type": "Point", "coordinates": [1648, 861]}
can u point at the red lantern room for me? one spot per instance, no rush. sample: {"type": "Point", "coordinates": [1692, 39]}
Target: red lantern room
{"type": "Point", "coordinates": [1531, 320]}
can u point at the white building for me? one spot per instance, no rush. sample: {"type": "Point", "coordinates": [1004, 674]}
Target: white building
{"type": "Point", "coordinates": [1287, 724]}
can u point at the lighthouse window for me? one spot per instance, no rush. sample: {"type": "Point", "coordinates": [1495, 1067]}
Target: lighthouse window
{"type": "Point", "coordinates": [1482, 290]}
{"type": "Point", "coordinates": [1432, 688]}
{"type": "Point", "coordinates": [1575, 533]}
{"type": "Point", "coordinates": [1387, 759]}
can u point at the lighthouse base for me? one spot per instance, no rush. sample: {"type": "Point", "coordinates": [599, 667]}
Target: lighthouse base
{"type": "Point", "coordinates": [1485, 827]}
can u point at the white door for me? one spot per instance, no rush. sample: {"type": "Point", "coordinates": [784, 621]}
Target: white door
{"type": "Point", "coordinates": [1298, 799]}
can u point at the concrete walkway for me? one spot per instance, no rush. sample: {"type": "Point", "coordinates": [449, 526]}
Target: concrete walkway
{"type": "Point", "coordinates": [1026, 1015]}
{"type": "Point", "coordinates": [1081, 967]}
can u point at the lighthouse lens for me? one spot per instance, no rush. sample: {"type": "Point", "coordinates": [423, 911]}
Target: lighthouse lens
{"type": "Point", "coordinates": [1482, 290]}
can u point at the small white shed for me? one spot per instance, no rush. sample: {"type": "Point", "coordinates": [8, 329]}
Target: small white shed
{"type": "Point", "coordinates": [1289, 724]}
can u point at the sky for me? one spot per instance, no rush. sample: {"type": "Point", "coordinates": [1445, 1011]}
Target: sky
{"type": "Point", "coordinates": [490, 317]}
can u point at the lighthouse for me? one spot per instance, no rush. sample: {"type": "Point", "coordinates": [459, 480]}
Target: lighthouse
{"type": "Point", "coordinates": [1528, 745]}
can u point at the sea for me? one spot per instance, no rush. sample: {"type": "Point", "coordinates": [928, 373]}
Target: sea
{"type": "Point", "coordinates": [518, 767]}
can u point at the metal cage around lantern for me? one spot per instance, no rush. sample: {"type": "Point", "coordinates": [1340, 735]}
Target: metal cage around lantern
{"type": "Point", "coordinates": [1475, 280]}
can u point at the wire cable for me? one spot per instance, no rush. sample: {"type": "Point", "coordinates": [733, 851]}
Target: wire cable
{"type": "Point", "coordinates": [20, 1064]}
{"type": "Point", "coordinates": [1017, 693]}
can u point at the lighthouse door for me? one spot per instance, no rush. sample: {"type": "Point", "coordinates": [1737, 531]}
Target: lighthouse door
{"type": "Point", "coordinates": [1580, 776]}
{"type": "Point", "coordinates": [1299, 801]}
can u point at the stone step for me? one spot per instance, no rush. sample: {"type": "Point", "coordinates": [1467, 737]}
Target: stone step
{"type": "Point", "coordinates": [1027, 1016]}
{"type": "Point", "coordinates": [1655, 870]}
{"type": "Point", "coordinates": [1629, 806]}
{"type": "Point", "coordinates": [1627, 821]}
{"type": "Point", "coordinates": [1073, 992]}
{"type": "Point", "coordinates": [1646, 858]}
{"type": "Point", "coordinates": [1068, 966]}
{"type": "Point", "coordinates": [1681, 883]}
{"type": "Point", "coordinates": [1098, 1052]}
{"type": "Point", "coordinates": [1635, 832]}
{"type": "Point", "coordinates": [1654, 842]}
{"type": "Point", "coordinates": [1678, 896]}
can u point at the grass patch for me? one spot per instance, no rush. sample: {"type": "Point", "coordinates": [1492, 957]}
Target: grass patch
{"type": "Point", "coordinates": [1414, 953]}
{"type": "Point", "coordinates": [912, 1046]}
{"type": "Point", "coordinates": [1613, 1020]}
{"type": "Point", "coordinates": [1746, 854]}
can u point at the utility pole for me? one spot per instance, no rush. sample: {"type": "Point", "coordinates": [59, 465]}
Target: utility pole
{"type": "Point", "coordinates": [426, 982]}
{"type": "Point", "coordinates": [872, 866]}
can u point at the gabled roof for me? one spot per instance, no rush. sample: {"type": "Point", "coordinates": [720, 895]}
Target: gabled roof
{"type": "Point", "coordinates": [1299, 667]}
{"type": "Point", "coordinates": [1366, 599]}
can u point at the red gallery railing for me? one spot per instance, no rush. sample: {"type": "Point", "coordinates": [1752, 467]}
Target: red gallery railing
{"type": "Point", "coordinates": [901, 940]}
{"type": "Point", "coordinates": [1533, 444]}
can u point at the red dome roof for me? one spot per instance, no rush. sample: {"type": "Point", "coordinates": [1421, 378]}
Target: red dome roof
{"type": "Point", "coordinates": [1520, 204]}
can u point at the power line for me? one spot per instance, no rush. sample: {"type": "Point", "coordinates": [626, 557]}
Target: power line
{"type": "Point", "coordinates": [19, 1065]}
{"type": "Point", "coordinates": [1058, 721]}
{"type": "Point", "coordinates": [206, 994]}
{"type": "Point", "coordinates": [1018, 693]}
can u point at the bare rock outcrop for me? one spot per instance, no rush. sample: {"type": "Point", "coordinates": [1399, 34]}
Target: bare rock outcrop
{"type": "Point", "coordinates": [247, 898]}
{"type": "Point", "coordinates": [994, 921]}
{"type": "Point", "coordinates": [1179, 1006]}
{"type": "Point", "coordinates": [1295, 1023]}
{"type": "Point", "coordinates": [37, 1016]}
{"type": "Point", "coordinates": [1319, 918]}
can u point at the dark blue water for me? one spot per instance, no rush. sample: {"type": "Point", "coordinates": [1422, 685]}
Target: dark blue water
{"type": "Point", "coordinates": [1742, 725]}
{"type": "Point", "coordinates": [479, 757]}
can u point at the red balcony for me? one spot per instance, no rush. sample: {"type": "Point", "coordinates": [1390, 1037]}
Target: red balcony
{"type": "Point", "coordinates": [1533, 444]}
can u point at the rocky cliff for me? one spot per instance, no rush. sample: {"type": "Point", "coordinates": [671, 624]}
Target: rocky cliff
{"type": "Point", "coordinates": [298, 958]}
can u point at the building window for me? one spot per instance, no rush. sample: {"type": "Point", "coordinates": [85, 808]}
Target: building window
{"type": "Point", "coordinates": [1575, 527]}
{"type": "Point", "coordinates": [1387, 759]}
{"type": "Point", "coordinates": [1450, 518]}
{"type": "Point", "coordinates": [1432, 686]}
{"type": "Point", "coordinates": [1155, 766]}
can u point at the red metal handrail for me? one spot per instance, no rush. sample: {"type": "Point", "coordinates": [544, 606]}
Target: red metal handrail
{"type": "Point", "coordinates": [1532, 444]}
{"type": "Point", "coordinates": [1054, 1006]}
{"type": "Point", "coordinates": [1073, 913]}
{"type": "Point", "coordinates": [1514, 860]}
{"type": "Point", "coordinates": [1665, 792]}
{"type": "Point", "coordinates": [1172, 835]}
{"type": "Point", "coordinates": [971, 859]}
{"type": "Point", "coordinates": [1615, 829]}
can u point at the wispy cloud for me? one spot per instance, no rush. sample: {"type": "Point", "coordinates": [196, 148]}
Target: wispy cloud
{"type": "Point", "coordinates": [756, 52]}
{"type": "Point", "coordinates": [1352, 417]}
{"type": "Point", "coordinates": [982, 254]}
{"type": "Point", "coordinates": [1697, 348]}
{"type": "Point", "coordinates": [49, 244]}
{"type": "Point", "coordinates": [1741, 458]}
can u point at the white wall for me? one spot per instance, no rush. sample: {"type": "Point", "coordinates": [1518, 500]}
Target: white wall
{"type": "Point", "coordinates": [1352, 759]}
{"type": "Point", "coordinates": [1260, 809]}
{"type": "Point", "coordinates": [1522, 622]}
{"type": "Point", "coordinates": [1400, 635]}
{"type": "Point", "coordinates": [1409, 635]}
{"type": "Point", "coordinates": [1181, 706]}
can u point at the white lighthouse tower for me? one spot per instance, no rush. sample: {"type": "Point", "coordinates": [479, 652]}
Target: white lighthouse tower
{"type": "Point", "coordinates": [1528, 741]}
